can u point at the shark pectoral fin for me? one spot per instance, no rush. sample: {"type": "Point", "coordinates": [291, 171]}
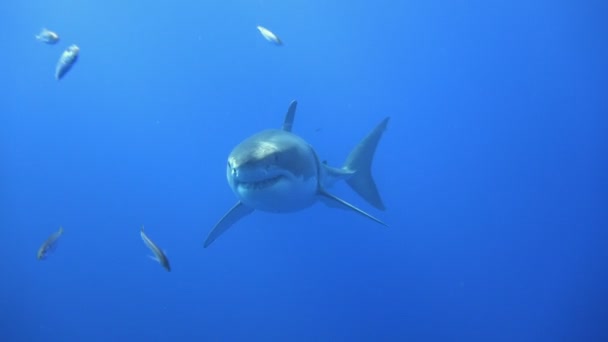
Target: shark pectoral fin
{"type": "Point", "coordinates": [232, 216]}
{"type": "Point", "coordinates": [334, 201]}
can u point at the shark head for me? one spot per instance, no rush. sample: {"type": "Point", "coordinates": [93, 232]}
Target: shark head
{"type": "Point", "coordinates": [274, 171]}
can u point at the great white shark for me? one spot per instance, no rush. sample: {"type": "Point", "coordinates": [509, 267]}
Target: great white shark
{"type": "Point", "coordinates": [277, 171]}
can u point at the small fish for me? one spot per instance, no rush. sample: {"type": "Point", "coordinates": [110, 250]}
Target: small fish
{"type": "Point", "coordinates": [66, 61]}
{"type": "Point", "coordinates": [159, 255]}
{"type": "Point", "coordinates": [271, 37]}
{"type": "Point", "coordinates": [48, 37]}
{"type": "Point", "coordinates": [49, 245]}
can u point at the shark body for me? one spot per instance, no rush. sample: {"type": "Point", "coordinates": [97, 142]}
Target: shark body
{"type": "Point", "coordinates": [277, 171]}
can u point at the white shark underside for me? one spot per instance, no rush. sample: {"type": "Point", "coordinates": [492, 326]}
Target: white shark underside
{"type": "Point", "coordinates": [277, 171]}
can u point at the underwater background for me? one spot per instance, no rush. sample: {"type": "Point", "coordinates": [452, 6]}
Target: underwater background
{"type": "Point", "coordinates": [493, 170]}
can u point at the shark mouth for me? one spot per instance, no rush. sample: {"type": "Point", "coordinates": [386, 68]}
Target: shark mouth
{"type": "Point", "coordinates": [261, 184]}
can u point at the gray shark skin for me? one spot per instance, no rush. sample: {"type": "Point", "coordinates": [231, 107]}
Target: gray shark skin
{"type": "Point", "coordinates": [278, 171]}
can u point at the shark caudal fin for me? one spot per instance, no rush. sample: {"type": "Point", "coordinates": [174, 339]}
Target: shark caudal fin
{"type": "Point", "coordinates": [360, 161]}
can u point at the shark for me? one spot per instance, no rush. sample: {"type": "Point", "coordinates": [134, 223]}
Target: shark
{"type": "Point", "coordinates": [277, 171]}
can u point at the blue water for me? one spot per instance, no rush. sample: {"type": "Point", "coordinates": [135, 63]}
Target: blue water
{"type": "Point", "coordinates": [493, 170]}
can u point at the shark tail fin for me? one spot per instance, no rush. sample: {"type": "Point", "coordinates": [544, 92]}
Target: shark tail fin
{"type": "Point", "coordinates": [360, 161]}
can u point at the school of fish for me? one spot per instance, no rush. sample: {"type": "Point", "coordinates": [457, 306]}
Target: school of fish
{"type": "Point", "coordinates": [70, 55]}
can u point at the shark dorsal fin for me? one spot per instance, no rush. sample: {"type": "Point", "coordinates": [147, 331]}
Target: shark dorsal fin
{"type": "Point", "coordinates": [291, 113]}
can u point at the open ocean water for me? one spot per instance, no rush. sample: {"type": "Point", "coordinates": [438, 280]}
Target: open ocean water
{"type": "Point", "coordinates": [493, 169]}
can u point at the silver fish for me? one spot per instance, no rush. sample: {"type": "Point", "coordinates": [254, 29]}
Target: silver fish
{"type": "Point", "coordinates": [270, 36]}
{"type": "Point", "coordinates": [159, 255]}
{"type": "Point", "coordinates": [66, 61]}
{"type": "Point", "coordinates": [47, 36]}
{"type": "Point", "coordinates": [49, 245]}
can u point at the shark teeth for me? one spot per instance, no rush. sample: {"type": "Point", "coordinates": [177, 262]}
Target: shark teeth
{"type": "Point", "coordinates": [261, 184]}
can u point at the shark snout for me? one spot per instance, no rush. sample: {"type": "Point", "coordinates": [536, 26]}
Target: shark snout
{"type": "Point", "coordinates": [243, 175]}
{"type": "Point", "coordinates": [252, 175]}
{"type": "Point", "coordinates": [233, 172]}
{"type": "Point", "coordinates": [233, 167]}
{"type": "Point", "coordinates": [237, 174]}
